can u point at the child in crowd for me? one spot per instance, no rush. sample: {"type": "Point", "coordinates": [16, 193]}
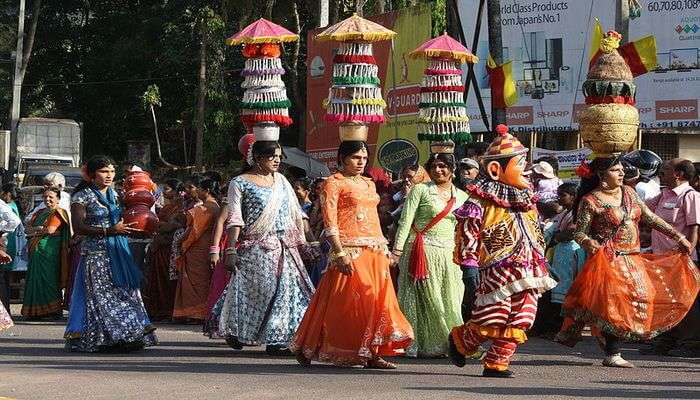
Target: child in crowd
{"type": "Point", "coordinates": [545, 181]}
{"type": "Point", "coordinates": [566, 259]}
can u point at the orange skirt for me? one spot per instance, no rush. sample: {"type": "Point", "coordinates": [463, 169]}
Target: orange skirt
{"type": "Point", "coordinates": [353, 318]}
{"type": "Point", "coordinates": [636, 296]}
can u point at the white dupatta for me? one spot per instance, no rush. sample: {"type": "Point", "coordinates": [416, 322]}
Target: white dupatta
{"type": "Point", "coordinates": [266, 219]}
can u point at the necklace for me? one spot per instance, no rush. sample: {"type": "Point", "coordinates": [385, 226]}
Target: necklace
{"type": "Point", "coordinates": [444, 193]}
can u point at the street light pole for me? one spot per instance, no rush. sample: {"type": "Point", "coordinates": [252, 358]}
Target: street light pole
{"type": "Point", "coordinates": [16, 89]}
{"type": "Point", "coordinates": [622, 20]}
{"type": "Point", "coordinates": [498, 115]}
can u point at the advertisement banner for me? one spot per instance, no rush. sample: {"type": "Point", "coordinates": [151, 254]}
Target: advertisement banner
{"type": "Point", "coordinates": [568, 160]}
{"type": "Point", "coordinates": [548, 42]}
{"type": "Point", "coordinates": [400, 80]}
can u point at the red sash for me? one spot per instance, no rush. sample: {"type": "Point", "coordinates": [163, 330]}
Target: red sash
{"type": "Point", "coordinates": [419, 264]}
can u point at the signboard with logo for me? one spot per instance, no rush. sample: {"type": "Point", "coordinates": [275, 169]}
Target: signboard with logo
{"type": "Point", "coordinates": [400, 80]}
{"type": "Point", "coordinates": [395, 154]}
{"type": "Point", "coordinates": [568, 160]}
{"type": "Point", "coordinates": [548, 42]}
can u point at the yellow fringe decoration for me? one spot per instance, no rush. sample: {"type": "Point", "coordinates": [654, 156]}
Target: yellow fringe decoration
{"type": "Point", "coordinates": [514, 334]}
{"type": "Point", "coordinates": [370, 102]}
{"type": "Point", "coordinates": [262, 39]}
{"type": "Point", "coordinates": [356, 37]}
{"type": "Point", "coordinates": [448, 54]}
{"type": "Point", "coordinates": [443, 119]}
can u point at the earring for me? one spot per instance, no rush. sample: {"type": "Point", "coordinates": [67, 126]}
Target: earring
{"type": "Point", "coordinates": [604, 185]}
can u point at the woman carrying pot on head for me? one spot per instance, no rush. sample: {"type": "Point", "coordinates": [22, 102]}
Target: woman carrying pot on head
{"type": "Point", "coordinates": [106, 311]}
{"type": "Point", "coordinates": [354, 318]}
{"type": "Point", "coordinates": [430, 283]}
{"type": "Point", "coordinates": [621, 293]}
{"type": "Point", "coordinates": [270, 288]}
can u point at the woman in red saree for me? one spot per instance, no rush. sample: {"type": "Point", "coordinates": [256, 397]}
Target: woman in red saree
{"type": "Point", "coordinates": [159, 293]}
{"type": "Point", "coordinates": [354, 316]}
{"type": "Point", "coordinates": [193, 264]}
{"type": "Point", "coordinates": [622, 293]}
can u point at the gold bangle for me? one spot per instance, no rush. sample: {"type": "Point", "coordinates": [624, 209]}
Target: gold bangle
{"type": "Point", "coordinates": [340, 254]}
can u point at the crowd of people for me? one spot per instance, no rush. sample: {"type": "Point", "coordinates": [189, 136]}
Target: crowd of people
{"type": "Point", "coordinates": [354, 267]}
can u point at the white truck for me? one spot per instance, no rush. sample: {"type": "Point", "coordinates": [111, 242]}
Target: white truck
{"type": "Point", "coordinates": [46, 142]}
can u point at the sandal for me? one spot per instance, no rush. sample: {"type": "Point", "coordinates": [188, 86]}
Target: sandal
{"type": "Point", "coordinates": [616, 361]}
{"type": "Point", "coordinates": [379, 363]}
{"type": "Point", "coordinates": [302, 360]}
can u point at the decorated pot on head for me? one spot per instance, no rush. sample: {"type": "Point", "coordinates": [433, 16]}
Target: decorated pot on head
{"type": "Point", "coordinates": [353, 131]}
{"type": "Point", "coordinates": [610, 121]}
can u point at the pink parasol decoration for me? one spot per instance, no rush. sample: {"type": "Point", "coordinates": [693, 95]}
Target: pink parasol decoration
{"type": "Point", "coordinates": [445, 47]}
{"type": "Point", "coordinates": [262, 31]}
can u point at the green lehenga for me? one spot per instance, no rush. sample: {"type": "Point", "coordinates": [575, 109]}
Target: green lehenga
{"type": "Point", "coordinates": [433, 305]}
{"type": "Point", "coordinates": [47, 269]}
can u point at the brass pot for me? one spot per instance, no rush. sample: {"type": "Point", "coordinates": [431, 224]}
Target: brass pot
{"type": "Point", "coordinates": [609, 128]}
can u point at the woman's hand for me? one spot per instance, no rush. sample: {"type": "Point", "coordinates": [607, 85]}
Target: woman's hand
{"type": "Point", "coordinates": [684, 245]}
{"type": "Point", "coordinates": [213, 259]}
{"type": "Point", "coordinates": [344, 265]}
{"type": "Point", "coordinates": [231, 260]}
{"type": "Point", "coordinates": [4, 257]}
{"type": "Point", "coordinates": [123, 229]}
{"type": "Point", "coordinates": [394, 258]}
{"type": "Point", "coordinates": [591, 246]}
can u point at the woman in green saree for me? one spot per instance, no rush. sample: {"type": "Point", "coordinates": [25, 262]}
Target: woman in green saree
{"type": "Point", "coordinates": [47, 273]}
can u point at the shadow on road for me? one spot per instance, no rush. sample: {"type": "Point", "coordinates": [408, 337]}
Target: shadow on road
{"type": "Point", "coordinates": [662, 393]}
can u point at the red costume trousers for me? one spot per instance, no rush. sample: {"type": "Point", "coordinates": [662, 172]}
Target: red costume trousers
{"type": "Point", "coordinates": [504, 323]}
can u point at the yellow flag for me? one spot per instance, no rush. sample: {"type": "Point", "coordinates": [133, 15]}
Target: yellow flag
{"type": "Point", "coordinates": [596, 37]}
{"type": "Point", "coordinates": [503, 91]}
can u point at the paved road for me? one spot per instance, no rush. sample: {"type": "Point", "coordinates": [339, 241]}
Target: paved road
{"type": "Point", "coordinates": [186, 365]}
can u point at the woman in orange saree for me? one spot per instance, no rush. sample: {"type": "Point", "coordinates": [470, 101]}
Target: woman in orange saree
{"type": "Point", "coordinates": [193, 264]}
{"type": "Point", "coordinates": [354, 316]}
{"type": "Point", "coordinates": [622, 293]}
{"type": "Point", "coordinates": [159, 292]}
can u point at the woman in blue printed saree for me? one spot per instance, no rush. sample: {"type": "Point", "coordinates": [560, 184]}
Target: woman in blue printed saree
{"type": "Point", "coordinates": [270, 289]}
{"type": "Point", "coordinates": [106, 310]}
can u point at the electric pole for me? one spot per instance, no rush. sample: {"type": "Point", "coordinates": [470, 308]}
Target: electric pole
{"type": "Point", "coordinates": [498, 115]}
{"type": "Point", "coordinates": [323, 14]}
{"type": "Point", "coordinates": [622, 20]}
{"type": "Point", "coordinates": [16, 89]}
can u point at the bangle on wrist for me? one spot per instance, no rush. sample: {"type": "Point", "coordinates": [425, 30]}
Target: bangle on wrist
{"type": "Point", "coordinates": [214, 249]}
{"type": "Point", "coordinates": [230, 250]}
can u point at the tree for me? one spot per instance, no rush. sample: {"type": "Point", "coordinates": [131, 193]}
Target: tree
{"type": "Point", "coordinates": [150, 99]}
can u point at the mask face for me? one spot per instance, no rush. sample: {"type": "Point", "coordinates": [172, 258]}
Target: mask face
{"type": "Point", "coordinates": [514, 173]}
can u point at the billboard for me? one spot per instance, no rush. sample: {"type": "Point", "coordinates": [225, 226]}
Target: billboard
{"type": "Point", "coordinates": [548, 42]}
{"type": "Point", "coordinates": [400, 80]}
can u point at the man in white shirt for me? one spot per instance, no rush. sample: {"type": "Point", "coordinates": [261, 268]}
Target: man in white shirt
{"type": "Point", "coordinates": [648, 164]}
{"type": "Point", "coordinates": [9, 221]}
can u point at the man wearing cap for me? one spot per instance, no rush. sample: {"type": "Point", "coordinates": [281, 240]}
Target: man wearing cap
{"type": "Point", "coordinates": [648, 164]}
{"type": "Point", "coordinates": [498, 233]}
{"type": "Point", "coordinates": [468, 171]}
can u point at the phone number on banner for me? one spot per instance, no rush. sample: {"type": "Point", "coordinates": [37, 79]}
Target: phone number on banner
{"type": "Point", "coordinates": [671, 124]}
{"type": "Point", "coordinates": [674, 5]}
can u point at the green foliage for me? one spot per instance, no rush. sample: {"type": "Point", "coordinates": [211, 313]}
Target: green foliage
{"type": "Point", "coordinates": [151, 97]}
{"type": "Point", "coordinates": [92, 60]}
